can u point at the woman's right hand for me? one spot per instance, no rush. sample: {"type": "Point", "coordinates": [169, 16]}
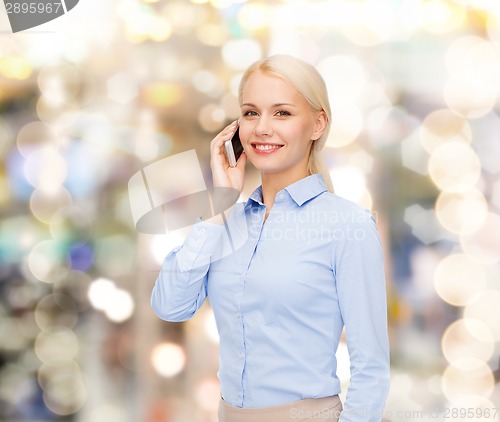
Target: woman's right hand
{"type": "Point", "coordinates": [223, 174]}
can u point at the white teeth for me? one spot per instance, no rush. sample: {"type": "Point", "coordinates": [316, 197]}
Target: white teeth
{"type": "Point", "coordinates": [266, 147]}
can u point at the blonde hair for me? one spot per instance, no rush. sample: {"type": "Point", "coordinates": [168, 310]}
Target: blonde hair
{"type": "Point", "coordinates": [309, 83]}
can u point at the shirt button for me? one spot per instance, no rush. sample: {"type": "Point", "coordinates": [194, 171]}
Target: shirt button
{"type": "Point", "coordinates": [281, 196]}
{"type": "Point", "coordinates": [202, 230]}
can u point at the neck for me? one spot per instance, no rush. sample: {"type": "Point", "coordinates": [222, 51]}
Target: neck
{"type": "Point", "coordinates": [272, 183]}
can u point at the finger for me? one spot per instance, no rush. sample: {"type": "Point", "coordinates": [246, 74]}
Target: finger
{"type": "Point", "coordinates": [228, 131]}
{"type": "Point", "coordinates": [240, 164]}
{"type": "Point", "coordinates": [217, 145]}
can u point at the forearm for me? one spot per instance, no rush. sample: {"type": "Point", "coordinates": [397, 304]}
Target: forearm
{"type": "Point", "coordinates": [367, 393]}
{"type": "Point", "coordinates": [180, 288]}
{"type": "Point", "coordinates": [363, 302]}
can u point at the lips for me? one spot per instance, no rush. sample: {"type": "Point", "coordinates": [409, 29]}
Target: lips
{"type": "Point", "coordinates": [265, 148]}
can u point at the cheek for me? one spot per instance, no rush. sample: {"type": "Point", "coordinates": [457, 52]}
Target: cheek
{"type": "Point", "coordinates": [294, 136]}
{"type": "Point", "coordinates": [245, 133]}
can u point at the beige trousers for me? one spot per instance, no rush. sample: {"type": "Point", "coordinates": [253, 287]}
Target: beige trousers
{"type": "Point", "coordinates": [311, 410]}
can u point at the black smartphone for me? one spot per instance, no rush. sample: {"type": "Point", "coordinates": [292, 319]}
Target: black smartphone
{"type": "Point", "coordinates": [234, 148]}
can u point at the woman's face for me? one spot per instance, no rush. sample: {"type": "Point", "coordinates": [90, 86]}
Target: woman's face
{"type": "Point", "coordinates": [277, 125]}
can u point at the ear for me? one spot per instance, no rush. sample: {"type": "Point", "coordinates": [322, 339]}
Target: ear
{"type": "Point", "coordinates": [320, 121]}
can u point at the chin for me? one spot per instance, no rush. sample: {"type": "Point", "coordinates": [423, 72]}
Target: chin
{"type": "Point", "coordinates": [266, 167]}
{"type": "Point", "coordinates": [269, 168]}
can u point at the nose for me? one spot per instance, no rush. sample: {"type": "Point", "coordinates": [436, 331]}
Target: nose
{"type": "Point", "coordinates": [263, 128]}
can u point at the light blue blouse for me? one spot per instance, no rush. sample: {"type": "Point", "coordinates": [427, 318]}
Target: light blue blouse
{"type": "Point", "coordinates": [281, 292]}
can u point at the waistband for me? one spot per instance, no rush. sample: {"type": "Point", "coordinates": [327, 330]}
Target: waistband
{"type": "Point", "coordinates": [304, 406]}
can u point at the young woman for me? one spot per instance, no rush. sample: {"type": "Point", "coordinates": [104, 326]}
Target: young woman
{"type": "Point", "coordinates": [309, 264]}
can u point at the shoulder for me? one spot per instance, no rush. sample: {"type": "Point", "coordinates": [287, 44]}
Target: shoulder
{"type": "Point", "coordinates": [343, 211]}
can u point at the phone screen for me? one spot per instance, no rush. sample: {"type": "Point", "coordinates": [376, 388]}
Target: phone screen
{"type": "Point", "coordinates": [237, 147]}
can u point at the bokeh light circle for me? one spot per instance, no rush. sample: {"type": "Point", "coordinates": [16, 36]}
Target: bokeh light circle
{"type": "Point", "coordinates": [65, 394]}
{"type": "Point", "coordinates": [485, 307]}
{"type": "Point", "coordinates": [458, 279]}
{"type": "Point", "coordinates": [473, 59]}
{"type": "Point", "coordinates": [60, 82]}
{"type": "Point", "coordinates": [76, 285]}
{"type": "Point", "coordinates": [208, 83]}
{"type": "Point", "coordinates": [56, 344]}
{"type": "Point", "coordinates": [346, 125]}
{"type": "Point", "coordinates": [57, 116]}
{"type": "Point", "coordinates": [45, 204]}
{"type": "Point", "coordinates": [349, 182]}
{"type": "Point", "coordinates": [484, 243]}
{"type": "Point", "coordinates": [466, 377]}
{"type": "Point", "coordinates": [162, 94]}
{"type": "Point", "coordinates": [374, 22]}
{"type": "Point", "coordinates": [46, 261]}
{"type": "Point", "coordinates": [100, 293]}
{"type": "Point", "coordinates": [241, 53]}
{"type": "Point", "coordinates": [56, 310]}
{"type": "Point", "coordinates": [47, 371]}
{"type": "Point", "coordinates": [211, 34]}
{"type": "Point", "coordinates": [454, 167]}
{"type": "Point", "coordinates": [467, 338]}
{"type": "Point", "coordinates": [345, 78]}
{"type": "Point", "coordinates": [442, 126]}
{"type": "Point", "coordinates": [121, 307]}
{"type": "Point", "coordinates": [168, 359]}
{"type": "Point", "coordinates": [255, 16]}
{"type": "Point", "coordinates": [33, 136]}
{"type": "Point", "coordinates": [493, 27]}
{"type": "Point", "coordinates": [442, 16]}
{"type": "Point", "coordinates": [471, 99]}
{"type": "Point", "coordinates": [462, 212]}
{"type": "Point", "coordinates": [211, 117]}
{"type": "Point", "coordinates": [474, 66]}
{"type": "Point", "coordinates": [164, 243]}
{"type": "Point", "coordinates": [117, 304]}
{"type": "Point", "coordinates": [207, 394]}
{"type": "Point", "coordinates": [45, 169]}
{"type": "Point", "coordinates": [71, 221]}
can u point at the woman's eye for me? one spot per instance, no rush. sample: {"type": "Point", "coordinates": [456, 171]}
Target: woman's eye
{"type": "Point", "coordinates": [282, 113]}
{"type": "Point", "coordinates": [250, 113]}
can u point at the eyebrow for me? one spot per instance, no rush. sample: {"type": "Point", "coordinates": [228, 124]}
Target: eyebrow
{"type": "Point", "coordinates": [274, 105]}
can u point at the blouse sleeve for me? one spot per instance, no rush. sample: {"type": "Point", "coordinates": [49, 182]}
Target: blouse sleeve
{"type": "Point", "coordinates": [359, 273]}
{"type": "Point", "coordinates": [181, 286]}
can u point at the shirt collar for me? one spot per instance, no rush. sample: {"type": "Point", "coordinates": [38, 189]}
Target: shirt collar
{"type": "Point", "coordinates": [300, 191]}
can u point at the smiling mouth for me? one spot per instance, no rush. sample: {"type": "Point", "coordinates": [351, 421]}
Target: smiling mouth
{"type": "Point", "coordinates": [266, 147]}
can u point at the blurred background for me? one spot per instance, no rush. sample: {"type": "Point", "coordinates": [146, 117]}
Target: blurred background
{"type": "Point", "coordinates": [93, 97]}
